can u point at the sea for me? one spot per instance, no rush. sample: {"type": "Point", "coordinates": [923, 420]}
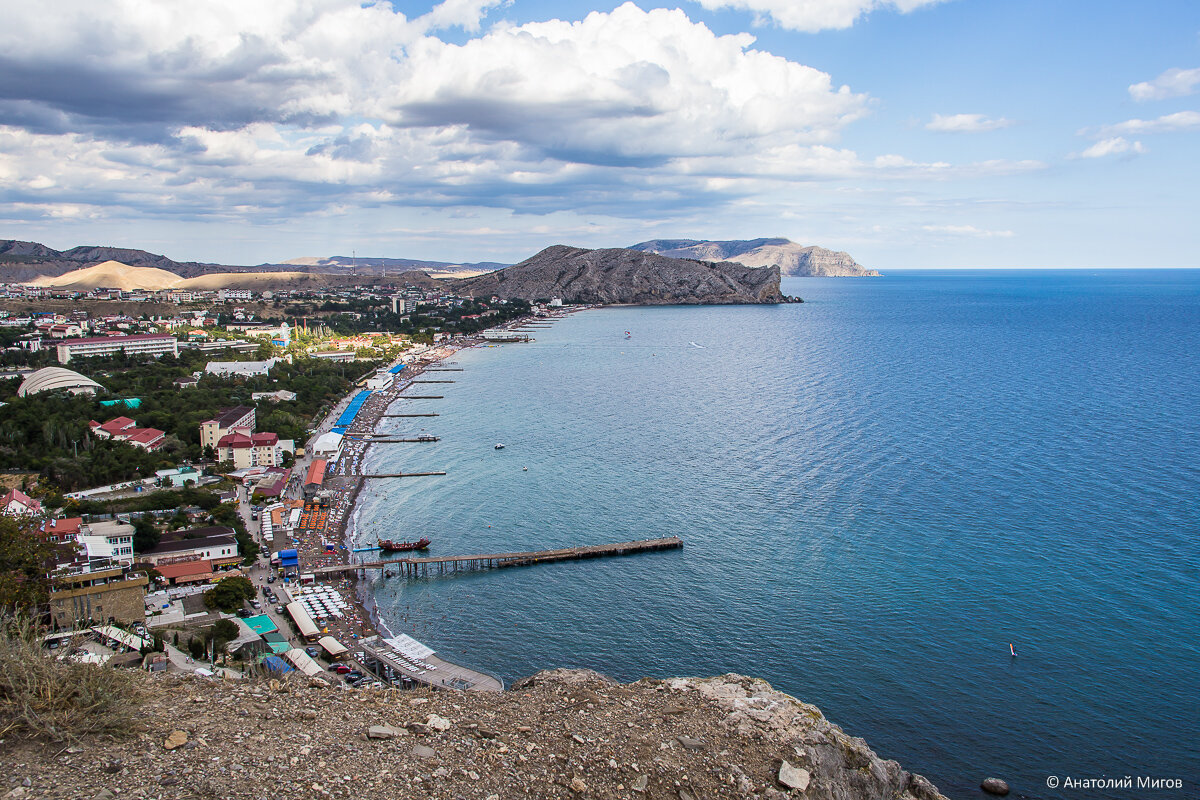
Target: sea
{"type": "Point", "coordinates": [881, 491]}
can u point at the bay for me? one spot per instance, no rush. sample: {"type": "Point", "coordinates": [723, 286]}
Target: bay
{"type": "Point", "coordinates": [879, 490]}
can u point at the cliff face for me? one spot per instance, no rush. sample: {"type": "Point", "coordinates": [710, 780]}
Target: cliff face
{"type": "Point", "coordinates": [559, 734]}
{"type": "Point", "coordinates": [792, 259]}
{"type": "Point", "coordinates": [625, 276]}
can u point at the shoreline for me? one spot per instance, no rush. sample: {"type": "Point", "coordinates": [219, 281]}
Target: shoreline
{"type": "Point", "coordinates": [344, 478]}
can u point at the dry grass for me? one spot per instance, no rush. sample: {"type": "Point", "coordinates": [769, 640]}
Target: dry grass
{"type": "Point", "coordinates": [49, 694]}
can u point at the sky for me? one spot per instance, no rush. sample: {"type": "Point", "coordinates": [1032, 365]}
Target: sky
{"type": "Point", "coordinates": [909, 133]}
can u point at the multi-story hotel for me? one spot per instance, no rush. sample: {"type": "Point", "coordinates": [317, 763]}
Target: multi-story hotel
{"type": "Point", "coordinates": [139, 344]}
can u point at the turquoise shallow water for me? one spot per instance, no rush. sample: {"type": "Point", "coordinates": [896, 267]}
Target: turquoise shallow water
{"type": "Point", "coordinates": [879, 490]}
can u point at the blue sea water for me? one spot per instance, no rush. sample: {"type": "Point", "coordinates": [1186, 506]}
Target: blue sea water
{"type": "Point", "coordinates": [879, 490]}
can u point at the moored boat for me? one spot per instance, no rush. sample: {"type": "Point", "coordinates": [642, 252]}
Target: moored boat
{"type": "Point", "coordinates": [389, 546]}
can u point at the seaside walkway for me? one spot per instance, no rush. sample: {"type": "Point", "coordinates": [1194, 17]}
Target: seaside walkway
{"type": "Point", "coordinates": [424, 566]}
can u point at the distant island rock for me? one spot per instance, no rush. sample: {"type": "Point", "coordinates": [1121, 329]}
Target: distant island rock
{"type": "Point", "coordinates": [793, 260]}
{"type": "Point", "coordinates": [626, 276]}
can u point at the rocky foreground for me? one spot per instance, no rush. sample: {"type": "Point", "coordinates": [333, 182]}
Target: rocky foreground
{"type": "Point", "coordinates": [559, 734]}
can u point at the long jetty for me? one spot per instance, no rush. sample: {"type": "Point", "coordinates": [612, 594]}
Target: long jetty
{"type": "Point", "coordinates": [420, 397]}
{"type": "Point", "coordinates": [411, 415]}
{"type": "Point", "coordinates": [443, 369]}
{"type": "Point", "coordinates": [384, 440]}
{"type": "Point", "coordinates": [423, 566]}
{"type": "Point", "coordinates": [433, 381]}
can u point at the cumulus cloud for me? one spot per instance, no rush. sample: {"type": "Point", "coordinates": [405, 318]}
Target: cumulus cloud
{"type": "Point", "coordinates": [1115, 146]}
{"type": "Point", "coordinates": [1168, 123]}
{"type": "Point", "coordinates": [247, 109]}
{"type": "Point", "coordinates": [965, 123]}
{"type": "Point", "coordinates": [814, 15]}
{"type": "Point", "coordinates": [1174, 82]}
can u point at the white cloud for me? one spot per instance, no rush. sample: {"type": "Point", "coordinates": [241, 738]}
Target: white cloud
{"type": "Point", "coordinates": [268, 112]}
{"type": "Point", "coordinates": [965, 123]}
{"type": "Point", "coordinates": [1168, 123]}
{"type": "Point", "coordinates": [1174, 82]}
{"type": "Point", "coordinates": [814, 15]}
{"type": "Point", "coordinates": [967, 230]}
{"type": "Point", "coordinates": [1115, 146]}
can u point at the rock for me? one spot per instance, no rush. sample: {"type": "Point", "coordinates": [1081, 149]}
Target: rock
{"type": "Point", "coordinates": [684, 794]}
{"type": "Point", "coordinates": [308, 714]}
{"type": "Point", "coordinates": [383, 732]}
{"type": "Point", "coordinates": [793, 777]}
{"type": "Point", "coordinates": [641, 783]}
{"type": "Point", "coordinates": [169, 781]}
{"type": "Point", "coordinates": [18, 792]}
{"type": "Point", "coordinates": [792, 258]}
{"type": "Point", "coordinates": [438, 723]}
{"type": "Point", "coordinates": [175, 740]}
{"type": "Point", "coordinates": [103, 794]}
{"type": "Point", "coordinates": [114, 766]}
{"type": "Point", "coordinates": [421, 751]}
{"type": "Point", "coordinates": [624, 276]}
{"type": "Point", "coordinates": [688, 743]}
{"type": "Point", "coordinates": [578, 786]}
{"type": "Point", "coordinates": [994, 786]}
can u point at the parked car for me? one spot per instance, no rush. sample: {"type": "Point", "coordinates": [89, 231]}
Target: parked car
{"type": "Point", "coordinates": [256, 604]}
{"type": "Point", "coordinates": [244, 612]}
{"type": "Point", "coordinates": [270, 579]}
{"type": "Point", "coordinates": [313, 652]}
{"type": "Point", "coordinates": [281, 610]}
{"type": "Point", "coordinates": [342, 669]}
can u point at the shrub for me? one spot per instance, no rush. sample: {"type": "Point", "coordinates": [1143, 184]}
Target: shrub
{"type": "Point", "coordinates": [49, 694]}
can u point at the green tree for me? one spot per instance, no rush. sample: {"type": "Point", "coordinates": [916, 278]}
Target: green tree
{"type": "Point", "coordinates": [229, 594]}
{"type": "Point", "coordinates": [146, 535]}
{"type": "Point", "coordinates": [25, 560]}
{"type": "Point", "coordinates": [196, 647]}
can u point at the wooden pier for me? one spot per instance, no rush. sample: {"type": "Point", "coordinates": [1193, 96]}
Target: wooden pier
{"type": "Point", "coordinates": [433, 381]}
{"type": "Point", "coordinates": [385, 440]}
{"type": "Point", "coordinates": [419, 397]}
{"type": "Point", "coordinates": [443, 369]}
{"type": "Point", "coordinates": [415, 567]}
{"type": "Point", "coordinates": [410, 415]}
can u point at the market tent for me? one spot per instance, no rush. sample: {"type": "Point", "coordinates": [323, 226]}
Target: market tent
{"type": "Point", "coordinates": [332, 646]}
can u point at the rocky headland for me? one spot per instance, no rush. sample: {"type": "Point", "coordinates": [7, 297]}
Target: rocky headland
{"type": "Point", "coordinates": [624, 276]}
{"type": "Point", "coordinates": [559, 734]}
{"type": "Point", "coordinates": [793, 260]}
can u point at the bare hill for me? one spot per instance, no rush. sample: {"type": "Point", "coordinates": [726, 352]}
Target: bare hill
{"type": "Point", "coordinates": [113, 275]}
{"type": "Point", "coordinates": [625, 276]}
{"type": "Point", "coordinates": [791, 258]}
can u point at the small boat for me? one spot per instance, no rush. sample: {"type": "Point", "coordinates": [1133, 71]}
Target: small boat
{"type": "Point", "coordinates": [389, 546]}
{"type": "Point", "coordinates": [499, 447]}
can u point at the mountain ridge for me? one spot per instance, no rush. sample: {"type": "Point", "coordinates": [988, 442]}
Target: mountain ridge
{"type": "Point", "coordinates": [794, 260]}
{"type": "Point", "coordinates": [626, 276]}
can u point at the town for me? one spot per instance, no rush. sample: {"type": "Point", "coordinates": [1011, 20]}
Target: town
{"type": "Point", "coordinates": [173, 462]}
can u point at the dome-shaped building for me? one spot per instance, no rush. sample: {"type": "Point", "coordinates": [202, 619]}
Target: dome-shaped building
{"type": "Point", "coordinates": [56, 379]}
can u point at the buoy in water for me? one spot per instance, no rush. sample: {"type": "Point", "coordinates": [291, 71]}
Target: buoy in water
{"type": "Point", "coordinates": [1011, 650]}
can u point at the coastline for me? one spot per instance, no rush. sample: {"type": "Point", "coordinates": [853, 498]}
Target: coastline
{"type": "Point", "coordinates": [333, 542]}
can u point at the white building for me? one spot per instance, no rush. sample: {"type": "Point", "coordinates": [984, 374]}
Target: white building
{"type": "Point", "coordinates": [151, 344]}
{"type": "Point", "coordinates": [109, 539]}
{"type": "Point", "coordinates": [240, 369]}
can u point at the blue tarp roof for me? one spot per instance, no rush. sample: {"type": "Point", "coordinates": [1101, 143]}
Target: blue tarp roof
{"type": "Point", "coordinates": [352, 410]}
{"type": "Point", "coordinates": [396, 370]}
{"type": "Point", "coordinates": [342, 429]}
{"type": "Point", "coordinates": [289, 558]}
{"type": "Point", "coordinates": [276, 664]}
